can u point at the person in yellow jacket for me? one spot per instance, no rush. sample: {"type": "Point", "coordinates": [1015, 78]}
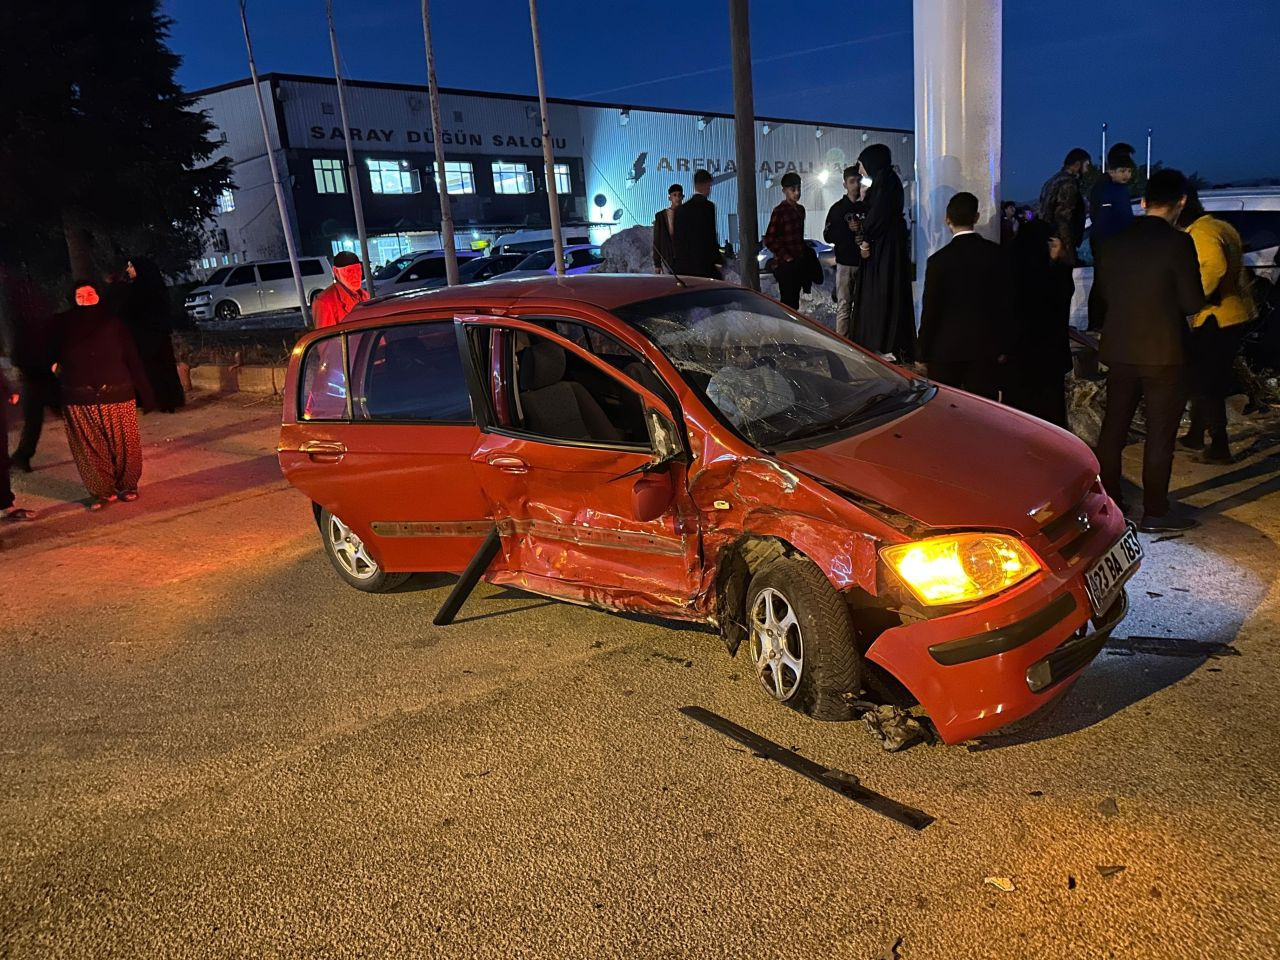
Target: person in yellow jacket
{"type": "Point", "coordinates": [1216, 331]}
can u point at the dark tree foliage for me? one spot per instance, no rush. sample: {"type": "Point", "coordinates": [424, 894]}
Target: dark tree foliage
{"type": "Point", "coordinates": [101, 154]}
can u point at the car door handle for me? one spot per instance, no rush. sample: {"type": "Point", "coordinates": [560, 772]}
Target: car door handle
{"type": "Point", "coordinates": [509, 464]}
{"type": "Point", "coordinates": [323, 451]}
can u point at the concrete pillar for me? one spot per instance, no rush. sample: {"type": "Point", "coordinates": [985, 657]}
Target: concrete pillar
{"type": "Point", "coordinates": [958, 85]}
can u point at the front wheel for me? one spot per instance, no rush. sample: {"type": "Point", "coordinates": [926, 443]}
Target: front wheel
{"type": "Point", "coordinates": [227, 311]}
{"type": "Point", "coordinates": [351, 559]}
{"type": "Point", "coordinates": [801, 639]}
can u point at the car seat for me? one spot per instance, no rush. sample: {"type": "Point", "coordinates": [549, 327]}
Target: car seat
{"type": "Point", "coordinates": [557, 407]}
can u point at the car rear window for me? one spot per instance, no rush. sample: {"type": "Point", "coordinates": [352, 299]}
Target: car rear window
{"type": "Point", "coordinates": [323, 384]}
{"type": "Point", "coordinates": [411, 372]}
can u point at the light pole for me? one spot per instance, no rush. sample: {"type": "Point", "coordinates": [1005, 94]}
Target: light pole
{"type": "Point", "coordinates": [744, 130]}
{"type": "Point", "coordinates": [442, 181]}
{"type": "Point", "coordinates": [553, 198]}
{"type": "Point", "coordinates": [353, 175]}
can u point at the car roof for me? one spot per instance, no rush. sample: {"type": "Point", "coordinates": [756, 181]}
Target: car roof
{"type": "Point", "coordinates": [608, 291]}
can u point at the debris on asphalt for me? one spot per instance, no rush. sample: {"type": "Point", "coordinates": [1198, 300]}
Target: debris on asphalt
{"type": "Point", "coordinates": [1167, 536]}
{"type": "Point", "coordinates": [891, 951]}
{"type": "Point", "coordinates": [1071, 882]}
{"type": "Point", "coordinates": [1108, 807]}
{"type": "Point", "coordinates": [1169, 647]}
{"type": "Point", "coordinates": [1110, 870]}
{"type": "Point", "coordinates": [1035, 793]}
{"type": "Point", "coordinates": [891, 725]}
{"type": "Point", "coordinates": [1153, 595]}
{"type": "Point", "coordinates": [1003, 884]}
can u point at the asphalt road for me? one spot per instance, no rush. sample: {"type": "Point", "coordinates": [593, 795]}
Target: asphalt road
{"type": "Point", "coordinates": [210, 747]}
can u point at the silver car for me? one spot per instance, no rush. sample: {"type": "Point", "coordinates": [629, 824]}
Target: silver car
{"type": "Point", "coordinates": [265, 286]}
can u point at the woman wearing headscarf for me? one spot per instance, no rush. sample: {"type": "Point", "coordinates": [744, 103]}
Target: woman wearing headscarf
{"type": "Point", "coordinates": [1041, 352]}
{"type": "Point", "coordinates": [885, 320]}
{"type": "Point", "coordinates": [103, 383]}
{"type": "Point", "coordinates": [146, 311]}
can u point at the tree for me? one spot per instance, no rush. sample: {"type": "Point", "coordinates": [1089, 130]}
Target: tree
{"type": "Point", "coordinates": [101, 149]}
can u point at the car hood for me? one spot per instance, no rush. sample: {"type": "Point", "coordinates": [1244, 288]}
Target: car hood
{"type": "Point", "coordinates": [959, 461]}
{"type": "Point", "coordinates": [196, 290]}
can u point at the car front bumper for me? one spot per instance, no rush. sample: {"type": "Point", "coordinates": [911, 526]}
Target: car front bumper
{"type": "Point", "coordinates": [199, 311]}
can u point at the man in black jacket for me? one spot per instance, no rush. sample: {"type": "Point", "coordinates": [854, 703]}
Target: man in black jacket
{"type": "Point", "coordinates": [697, 248]}
{"type": "Point", "coordinates": [1147, 286]}
{"type": "Point", "coordinates": [664, 230]}
{"type": "Point", "coordinates": [843, 231]}
{"type": "Point", "coordinates": [966, 322]}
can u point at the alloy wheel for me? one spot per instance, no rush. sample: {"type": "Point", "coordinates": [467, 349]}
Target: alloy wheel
{"type": "Point", "coordinates": [350, 551]}
{"type": "Point", "coordinates": [777, 649]}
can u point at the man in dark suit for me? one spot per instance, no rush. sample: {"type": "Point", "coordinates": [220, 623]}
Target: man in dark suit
{"type": "Point", "coordinates": [1146, 288]}
{"type": "Point", "coordinates": [697, 248]}
{"type": "Point", "coordinates": [664, 230]}
{"type": "Point", "coordinates": [966, 323]}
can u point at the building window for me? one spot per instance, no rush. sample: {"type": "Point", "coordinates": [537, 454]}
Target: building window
{"type": "Point", "coordinates": [226, 201]}
{"type": "Point", "coordinates": [459, 177]}
{"type": "Point", "coordinates": [329, 176]}
{"type": "Point", "coordinates": [393, 176]}
{"type": "Point", "coordinates": [512, 178]}
{"type": "Point", "coordinates": [564, 183]}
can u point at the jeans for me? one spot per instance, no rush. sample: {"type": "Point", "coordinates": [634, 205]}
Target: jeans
{"type": "Point", "coordinates": [845, 282]}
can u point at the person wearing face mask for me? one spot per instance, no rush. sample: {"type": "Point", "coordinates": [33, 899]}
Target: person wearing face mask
{"type": "Point", "coordinates": [885, 315]}
{"type": "Point", "coordinates": [342, 296]}
{"type": "Point", "coordinates": [1147, 286]}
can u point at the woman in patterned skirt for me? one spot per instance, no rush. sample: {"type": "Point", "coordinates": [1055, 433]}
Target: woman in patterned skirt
{"type": "Point", "coordinates": [103, 383]}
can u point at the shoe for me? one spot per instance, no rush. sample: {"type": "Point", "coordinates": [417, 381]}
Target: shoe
{"type": "Point", "coordinates": [1215, 455]}
{"type": "Point", "coordinates": [128, 496]}
{"type": "Point", "coordinates": [17, 462]}
{"type": "Point", "coordinates": [1168, 523]}
{"type": "Point", "coordinates": [1191, 442]}
{"type": "Point", "coordinates": [98, 503]}
{"type": "Point", "coordinates": [17, 513]}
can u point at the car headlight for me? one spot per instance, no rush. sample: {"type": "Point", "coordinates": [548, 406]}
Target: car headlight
{"type": "Point", "coordinates": [960, 567]}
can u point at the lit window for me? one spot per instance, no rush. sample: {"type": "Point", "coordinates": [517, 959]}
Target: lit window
{"type": "Point", "coordinates": [564, 184]}
{"type": "Point", "coordinates": [512, 178]}
{"type": "Point", "coordinates": [329, 176]}
{"type": "Point", "coordinates": [226, 201]}
{"type": "Point", "coordinates": [393, 176]}
{"type": "Point", "coordinates": [459, 176]}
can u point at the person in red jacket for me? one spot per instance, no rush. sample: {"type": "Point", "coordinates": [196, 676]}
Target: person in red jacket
{"type": "Point", "coordinates": [343, 295]}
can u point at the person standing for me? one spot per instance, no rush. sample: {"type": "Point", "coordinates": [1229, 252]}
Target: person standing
{"type": "Point", "coordinates": [1148, 285]}
{"type": "Point", "coordinates": [966, 322]}
{"type": "Point", "coordinates": [148, 314]}
{"type": "Point", "coordinates": [1040, 355]}
{"type": "Point", "coordinates": [843, 230]}
{"type": "Point", "coordinates": [664, 230]}
{"type": "Point", "coordinates": [29, 316]}
{"type": "Point", "coordinates": [784, 238]}
{"type": "Point", "coordinates": [697, 250]}
{"type": "Point", "coordinates": [8, 509]}
{"type": "Point", "coordinates": [1009, 223]}
{"type": "Point", "coordinates": [1062, 202]}
{"type": "Point", "coordinates": [347, 291]}
{"type": "Point", "coordinates": [885, 314]}
{"type": "Point", "coordinates": [1216, 331]}
{"type": "Point", "coordinates": [1110, 206]}
{"type": "Point", "coordinates": [103, 384]}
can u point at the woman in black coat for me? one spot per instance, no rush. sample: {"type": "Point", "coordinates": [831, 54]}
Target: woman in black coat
{"type": "Point", "coordinates": [1041, 356]}
{"type": "Point", "coordinates": [885, 319]}
{"type": "Point", "coordinates": [146, 311]}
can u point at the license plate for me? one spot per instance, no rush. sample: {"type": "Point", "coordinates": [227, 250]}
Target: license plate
{"type": "Point", "coordinates": [1105, 578]}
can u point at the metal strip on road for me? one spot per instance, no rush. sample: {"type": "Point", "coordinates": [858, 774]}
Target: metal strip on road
{"type": "Point", "coordinates": [845, 784]}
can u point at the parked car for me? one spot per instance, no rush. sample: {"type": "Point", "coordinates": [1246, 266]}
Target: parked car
{"type": "Point", "coordinates": [825, 251]}
{"type": "Point", "coordinates": [531, 241]}
{"type": "Point", "coordinates": [701, 453]}
{"type": "Point", "coordinates": [479, 270]}
{"type": "Point", "coordinates": [265, 286]}
{"type": "Point", "coordinates": [579, 258]}
{"type": "Point", "coordinates": [414, 271]}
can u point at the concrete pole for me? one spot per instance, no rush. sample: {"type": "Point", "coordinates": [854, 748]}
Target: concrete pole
{"type": "Point", "coordinates": [744, 132]}
{"type": "Point", "coordinates": [1104, 148]}
{"type": "Point", "coordinates": [1148, 153]}
{"type": "Point", "coordinates": [442, 182]}
{"type": "Point", "coordinates": [958, 86]}
{"type": "Point", "coordinates": [553, 198]}
{"type": "Point", "coordinates": [353, 175]}
{"type": "Point", "coordinates": [285, 220]}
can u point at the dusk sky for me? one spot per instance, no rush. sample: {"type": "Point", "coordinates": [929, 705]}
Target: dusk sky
{"type": "Point", "coordinates": [1200, 73]}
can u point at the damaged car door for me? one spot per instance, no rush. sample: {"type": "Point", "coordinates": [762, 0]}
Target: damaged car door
{"type": "Point", "coordinates": [587, 485]}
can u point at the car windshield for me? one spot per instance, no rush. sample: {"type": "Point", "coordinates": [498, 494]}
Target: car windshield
{"type": "Point", "coordinates": [772, 376]}
{"type": "Point", "coordinates": [217, 276]}
{"type": "Point", "coordinates": [542, 260]}
{"type": "Point", "coordinates": [393, 268]}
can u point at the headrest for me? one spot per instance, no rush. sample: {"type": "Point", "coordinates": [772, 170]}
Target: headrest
{"type": "Point", "coordinates": [542, 363]}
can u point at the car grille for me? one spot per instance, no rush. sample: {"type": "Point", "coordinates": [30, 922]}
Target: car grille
{"type": "Point", "coordinates": [1071, 536]}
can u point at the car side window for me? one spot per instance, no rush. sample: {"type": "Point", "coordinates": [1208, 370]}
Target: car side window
{"type": "Point", "coordinates": [241, 276]}
{"type": "Point", "coordinates": [424, 270]}
{"type": "Point", "coordinates": [310, 268]}
{"type": "Point", "coordinates": [270, 272]}
{"type": "Point", "coordinates": [411, 372]}
{"type": "Point", "coordinates": [556, 395]}
{"type": "Point", "coordinates": [323, 384]}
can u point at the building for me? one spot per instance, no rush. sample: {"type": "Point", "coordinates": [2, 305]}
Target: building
{"type": "Point", "coordinates": [613, 165]}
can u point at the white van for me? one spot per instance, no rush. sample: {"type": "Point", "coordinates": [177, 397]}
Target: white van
{"type": "Point", "coordinates": [531, 241]}
{"type": "Point", "coordinates": [265, 286]}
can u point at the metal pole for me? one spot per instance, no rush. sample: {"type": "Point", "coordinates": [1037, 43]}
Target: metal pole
{"type": "Point", "coordinates": [1148, 153]}
{"type": "Point", "coordinates": [285, 222]}
{"type": "Point", "coordinates": [353, 176]}
{"type": "Point", "coordinates": [1104, 148]}
{"type": "Point", "coordinates": [744, 132]}
{"type": "Point", "coordinates": [553, 198]}
{"type": "Point", "coordinates": [442, 182]}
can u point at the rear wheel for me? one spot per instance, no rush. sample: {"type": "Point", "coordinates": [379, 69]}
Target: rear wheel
{"type": "Point", "coordinates": [801, 639]}
{"type": "Point", "coordinates": [227, 311]}
{"type": "Point", "coordinates": [351, 559]}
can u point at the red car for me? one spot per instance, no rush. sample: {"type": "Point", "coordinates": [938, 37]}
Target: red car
{"type": "Point", "coordinates": [697, 451]}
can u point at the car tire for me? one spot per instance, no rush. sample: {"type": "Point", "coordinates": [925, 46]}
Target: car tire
{"type": "Point", "coordinates": [346, 552]}
{"type": "Point", "coordinates": [227, 311]}
{"type": "Point", "coordinates": [800, 639]}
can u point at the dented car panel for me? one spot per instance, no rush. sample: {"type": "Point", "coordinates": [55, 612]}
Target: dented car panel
{"type": "Point", "coordinates": [732, 468]}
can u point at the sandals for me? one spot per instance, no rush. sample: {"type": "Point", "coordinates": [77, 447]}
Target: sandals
{"type": "Point", "coordinates": [17, 513]}
{"type": "Point", "coordinates": [97, 503]}
{"type": "Point", "coordinates": [128, 496]}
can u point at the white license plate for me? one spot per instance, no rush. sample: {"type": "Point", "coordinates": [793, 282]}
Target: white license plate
{"type": "Point", "coordinates": [1105, 578]}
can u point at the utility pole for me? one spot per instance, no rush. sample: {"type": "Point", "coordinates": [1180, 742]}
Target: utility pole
{"type": "Point", "coordinates": [1104, 147]}
{"type": "Point", "coordinates": [285, 222]}
{"type": "Point", "coordinates": [353, 175]}
{"type": "Point", "coordinates": [744, 134]}
{"type": "Point", "coordinates": [548, 158]}
{"type": "Point", "coordinates": [442, 182]}
{"type": "Point", "coordinates": [1148, 153]}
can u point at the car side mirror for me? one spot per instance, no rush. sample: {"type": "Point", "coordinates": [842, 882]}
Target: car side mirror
{"type": "Point", "coordinates": [651, 496]}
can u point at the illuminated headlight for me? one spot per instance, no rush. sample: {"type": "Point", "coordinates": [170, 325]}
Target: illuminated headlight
{"type": "Point", "coordinates": [199, 298]}
{"type": "Point", "coordinates": [960, 567]}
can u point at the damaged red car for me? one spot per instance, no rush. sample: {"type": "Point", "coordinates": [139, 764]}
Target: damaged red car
{"type": "Point", "coordinates": [697, 451]}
